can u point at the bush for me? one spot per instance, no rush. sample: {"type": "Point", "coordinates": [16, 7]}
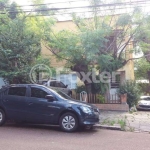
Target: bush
{"type": "Point", "coordinates": [101, 98]}
{"type": "Point", "coordinates": [144, 87]}
{"type": "Point", "coordinates": [81, 88]}
{"type": "Point", "coordinates": [132, 90]}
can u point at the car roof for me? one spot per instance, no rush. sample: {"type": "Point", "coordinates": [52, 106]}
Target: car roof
{"type": "Point", "coordinates": [17, 85]}
{"type": "Point", "coordinates": [145, 96]}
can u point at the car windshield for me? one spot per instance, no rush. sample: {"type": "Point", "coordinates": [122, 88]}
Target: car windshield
{"type": "Point", "coordinates": [60, 94]}
{"type": "Point", "coordinates": [145, 98]}
{"type": "Point", "coordinates": [63, 95]}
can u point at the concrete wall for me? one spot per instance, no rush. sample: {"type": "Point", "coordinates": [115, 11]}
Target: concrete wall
{"type": "Point", "coordinates": [118, 107]}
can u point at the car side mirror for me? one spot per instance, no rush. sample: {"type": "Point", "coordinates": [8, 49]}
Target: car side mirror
{"type": "Point", "coordinates": [50, 98]}
{"type": "Point", "coordinates": [66, 86]}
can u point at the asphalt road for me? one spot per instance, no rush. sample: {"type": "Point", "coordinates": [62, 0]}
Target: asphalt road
{"type": "Point", "coordinates": [32, 137]}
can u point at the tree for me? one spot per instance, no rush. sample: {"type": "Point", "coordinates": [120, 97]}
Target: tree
{"type": "Point", "coordinates": [142, 69]}
{"type": "Point", "coordinates": [41, 9]}
{"type": "Point", "coordinates": [3, 3]}
{"type": "Point", "coordinates": [100, 42]}
{"type": "Point", "coordinates": [20, 45]}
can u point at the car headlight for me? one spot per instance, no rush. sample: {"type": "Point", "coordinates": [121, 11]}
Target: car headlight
{"type": "Point", "coordinates": [140, 103]}
{"type": "Point", "coordinates": [86, 110]}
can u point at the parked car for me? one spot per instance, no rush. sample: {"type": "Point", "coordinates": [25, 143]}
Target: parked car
{"type": "Point", "coordinates": [39, 104]}
{"type": "Point", "coordinates": [144, 103]}
{"type": "Point", "coordinates": [58, 85]}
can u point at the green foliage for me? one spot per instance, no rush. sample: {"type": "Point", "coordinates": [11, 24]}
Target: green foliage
{"type": "Point", "coordinates": [13, 11]}
{"type": "Point", "coordinates": [144, 88]}
{"type": "Point", "coordinates": [124, 20]}
{"type": "Point", "coordinates": [99, 87]}
{"type": "Point", "coordinates": [108, 63]}
{"type": "Point", "coordinates": [101, 98]}
{"type": "Point", "coordinates": [122, 123]}
{"type": "Point", "coordinates": [81, 88]}
{"type": "Point", "coordinates": [132, 90]}
{"type": "Point", "coordinates": [20, 47]}
{"type": "Point", "coordinates": [142, 68]}
{"type": "Point", "coordinates": [99, 42]}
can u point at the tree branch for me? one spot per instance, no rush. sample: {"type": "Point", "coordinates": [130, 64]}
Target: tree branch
{"type": "Point", "coordinates": [123, 35]}
{"type": "Point", "coordinates": [56, 53]}
{"type": "Point", "coordinates": [126, 61]}
{"type": "Point", "coordinates": [125, 46]}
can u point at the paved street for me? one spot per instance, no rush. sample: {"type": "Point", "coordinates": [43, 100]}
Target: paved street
{"type": "Point", "coordinates": [31, 137]}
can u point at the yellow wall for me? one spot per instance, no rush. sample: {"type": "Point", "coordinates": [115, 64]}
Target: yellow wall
{"type": "Point", "coordinates": [69, 25]}
{"type": "Point", "coordinates": [129, 67]}
{"type": "Point", "coordinates": [54, 62]}
{"type": "Point", "coordinates": [65, 25]}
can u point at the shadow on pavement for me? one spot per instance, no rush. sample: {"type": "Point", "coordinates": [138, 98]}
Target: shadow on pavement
{"type": "Point", "coordinates": [46, 127]}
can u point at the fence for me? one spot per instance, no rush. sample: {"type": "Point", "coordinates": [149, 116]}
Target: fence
{"type": "Point", "coordinates": [98, 99]}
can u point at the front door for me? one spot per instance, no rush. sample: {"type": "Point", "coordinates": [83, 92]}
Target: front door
{"type": "Point", "coordinates": [39, 109]}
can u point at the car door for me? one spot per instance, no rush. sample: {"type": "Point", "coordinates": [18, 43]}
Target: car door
{"type": "Point", "coordinates": [15, 102]}
{"type": "Point", "coordinates": [40, 109]}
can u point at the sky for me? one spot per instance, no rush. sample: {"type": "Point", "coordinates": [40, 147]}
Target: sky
{"type": "Point", "coordinates": [69, 4]}
{"type": "Point", "coordinates": [80, 3]}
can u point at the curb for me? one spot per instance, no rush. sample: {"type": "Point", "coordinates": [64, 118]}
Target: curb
{"type": "Point", "coordinates": [108, 127]}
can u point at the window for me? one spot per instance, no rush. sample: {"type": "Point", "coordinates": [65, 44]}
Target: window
{"type": "Point", "coordinates": [53, 83]}
{"type": "Point", "coordinates": [58, 84]}
{"type": "Point", "coordinates": [62, 85]}
{"type": "Point", "coordinates": [18, 91]}
{"type": "Point", "coordinates": [38, 93]}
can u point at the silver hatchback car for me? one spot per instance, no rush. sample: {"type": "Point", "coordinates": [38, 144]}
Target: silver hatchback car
{"type": "Point", "coordinates": [143, 103]}
{"type": "Point", "coordinates": [58, 85]}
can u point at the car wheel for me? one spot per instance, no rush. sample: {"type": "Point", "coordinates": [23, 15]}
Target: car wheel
{"type": "Point", "coordinates": [2, 117]}
{"type": "Point", "coordinates": [68, 122]}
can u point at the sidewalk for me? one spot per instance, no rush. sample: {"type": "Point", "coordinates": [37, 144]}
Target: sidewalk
{"type": "Point", "coordinates": [134, 122]}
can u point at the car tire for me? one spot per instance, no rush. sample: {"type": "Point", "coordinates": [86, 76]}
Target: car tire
{"type": "Point", "coordinates": [2, 117]}
{"type": "Point", "coordinates": [68, 122]}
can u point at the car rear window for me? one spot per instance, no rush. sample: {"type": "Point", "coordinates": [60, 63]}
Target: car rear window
{"type": "Point", "coordinates": [17, 91]}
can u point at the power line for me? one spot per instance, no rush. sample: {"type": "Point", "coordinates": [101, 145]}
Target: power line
{"type": "Point", "coordinates": [77, 1]}
{"type": "Point", "coordinates": [50, 3]}
{"type": "Point", "coordinates": [67, 8]}
{"type": "Point", "coordinates": [101, 5]}
{"type": "Point", "coordinates": [69, 13]}
{"type": "Point", "coordinates": [47, 9]}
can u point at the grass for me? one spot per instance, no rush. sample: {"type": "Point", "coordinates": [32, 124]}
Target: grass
{"type": "Point", "coordinates": [120, 121]}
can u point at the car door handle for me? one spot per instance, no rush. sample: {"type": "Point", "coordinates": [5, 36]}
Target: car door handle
{"type": "Point", "coordinates": [43, 100]}
{"type": "Point", "coordinates": [30, 103]}
{"type": "Point", "coordinates": [5, 100]}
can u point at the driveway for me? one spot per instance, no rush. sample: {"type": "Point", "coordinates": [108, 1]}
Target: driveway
{"type": "Point", "coordinates": [31, 137]}
{"type": "Point", "coordinates": [136, 122]}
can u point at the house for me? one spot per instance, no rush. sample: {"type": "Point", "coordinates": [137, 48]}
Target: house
{"type": "Point", "coordinates": [126, 72]}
